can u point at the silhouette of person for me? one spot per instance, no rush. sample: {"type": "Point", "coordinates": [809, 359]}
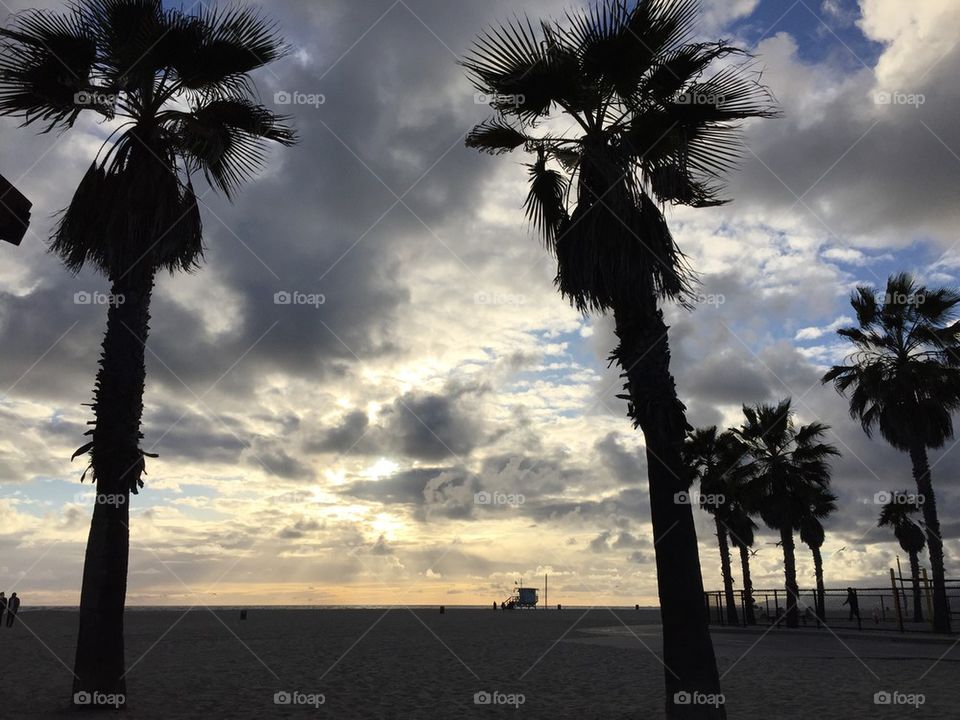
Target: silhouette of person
{"type": "Point", "coordinates": [12, 608]}
{"type": "Point", "coordinates": [494, 604]}
{"type": "Point", "coordinates": [3, 606]}
{"type": "Point", "coordinates": [853, 602]}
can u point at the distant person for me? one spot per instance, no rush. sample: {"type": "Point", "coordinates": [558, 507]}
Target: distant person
{"type": "Point", "coordinates": [12, 608]}
{"type": "Point", "coordinates": [3, 606]}
{"type": "Point", "coordinates": [854, 604]}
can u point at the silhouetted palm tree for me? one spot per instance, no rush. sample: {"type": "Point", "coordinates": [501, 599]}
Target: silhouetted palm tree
{"type": "Point", "coordinates": [898, 514]}
{"type": "Point", "coordinates": [787, 465]}
{"type": "Point", "coordinates": [904, 378]}
{"type": "Point", "coordinates": [741, 528]}
{"type": "Point", "coordinates": [179, 83]}
{"type": "Point", "coordinates": [654, 124]}
{"type": "Point", "coordinates": [821, 505]}
{"type": "Point", "coordinates": [712, 458]}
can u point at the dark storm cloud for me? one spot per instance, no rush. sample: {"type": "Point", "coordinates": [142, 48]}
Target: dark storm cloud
{"type": "Point", "coordinates": [628, 466]}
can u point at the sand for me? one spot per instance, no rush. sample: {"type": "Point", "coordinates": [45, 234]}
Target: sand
{"type": "Point", "coordinates": [421, 664]}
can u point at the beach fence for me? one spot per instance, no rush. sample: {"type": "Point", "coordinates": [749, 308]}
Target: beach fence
{"type": "Point", "coordinates": [889, 607]}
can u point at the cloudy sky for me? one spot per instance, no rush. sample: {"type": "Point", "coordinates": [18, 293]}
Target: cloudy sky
{"type": "Point", "coordinates": [332, 453]}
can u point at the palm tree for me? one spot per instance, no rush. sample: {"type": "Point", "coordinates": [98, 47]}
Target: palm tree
{"type": "Point", "coordinates": [820, 506]}
{"type": "Point", "coordinates": [712, 458]}
{"type": "Point", "coordinates": [653, 125]}
{"type": "Point", "coordinates": [741, 528]}
{"type": "Point", "coordinates": [898, 514]}
{"type": "Point", "coordinates": [787, 465]}
{"type": "Point", "coordinates": [904, 378]}
{"type": "Point", "coordinates": [178, 86]}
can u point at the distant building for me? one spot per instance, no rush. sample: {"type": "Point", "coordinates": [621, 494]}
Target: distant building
{"type": "Point", "coordinates": [14, 213]}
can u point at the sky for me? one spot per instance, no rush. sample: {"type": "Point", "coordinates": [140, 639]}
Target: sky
{"type": "Point", "coordinates": [333, 452]}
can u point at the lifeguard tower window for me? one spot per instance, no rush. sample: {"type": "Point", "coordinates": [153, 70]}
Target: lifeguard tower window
{"type": "Point", "coordinates": [14, 213]}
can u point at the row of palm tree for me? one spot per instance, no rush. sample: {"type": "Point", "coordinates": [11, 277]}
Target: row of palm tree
{"type": "Point", "coordinates": [772, 468]}
{"type": "Point", "coordinates": [903, 378]}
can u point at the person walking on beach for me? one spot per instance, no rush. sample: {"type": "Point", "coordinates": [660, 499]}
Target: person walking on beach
{"type": "Point", "coordinates": [12, 608]}
{"type": "Point", "coordinates": [853, 602]}
{"type": "Point", "coordinates": [3, 606]}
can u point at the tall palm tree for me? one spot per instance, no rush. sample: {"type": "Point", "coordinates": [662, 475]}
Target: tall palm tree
{"type": "Point", "coordinates": [898, 514]}
{"type": "Point", "coordinates": [742, 528]}
{"type": "Point", "coordinates": [712, 458]}
{"type": "Point", "coordinates": [177, 85]}
{"type": "Point", "coordinates": [820, 506]}
{"type": "Point", "coordinates": [653, 123]}
{"type": "Point", "coordinates": [904, 378]}
{"type": "Point", "coordinates": [787, 465]}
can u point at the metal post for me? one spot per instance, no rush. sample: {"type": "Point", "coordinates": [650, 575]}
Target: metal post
{"type": "Point", "coordinates": [896, 599]}
{"type": "Point", "coordinates": [926, 587]}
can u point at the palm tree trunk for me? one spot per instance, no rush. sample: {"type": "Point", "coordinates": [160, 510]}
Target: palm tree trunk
{"type": "Point", "coordinates": [921, 473]}
{"type": "Point", "coordinates": [818, 571]}
{"type": "Point", "coordinates": [748, 613]}
{"type": "Point", "coordinates": [915, 580]}
{"type": "Point", "coordinates": [117, 464]}
{"type": "Point", "coordinates": [726, 571]}
{"type": "Point", "coordinates": [790, 575]}
{"type": "Point", "coordinates": [690, 664]}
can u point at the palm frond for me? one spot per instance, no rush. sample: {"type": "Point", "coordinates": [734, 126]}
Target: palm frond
{"type": "Point", "coordinates": [131, 34]}
{"type": "Point", "coordinates": [546, 206]}
{"type": "Point", "coordinates": [225, 139]}
{"type": "Point", "coordinates": [46, 59]}
{"type": "Point", "coordinates": [213, 52]}
{"type": "Point", "coordinates": [496, 137]}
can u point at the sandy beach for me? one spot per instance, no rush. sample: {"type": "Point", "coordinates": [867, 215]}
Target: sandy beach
{"type": "Point", "coordinates": [402, 663]}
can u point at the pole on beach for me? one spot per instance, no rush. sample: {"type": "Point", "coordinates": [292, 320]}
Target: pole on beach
{"type": "Point", "coordinates": [896, 598]}
{"type": "Point", "coordinates": [546, 591]}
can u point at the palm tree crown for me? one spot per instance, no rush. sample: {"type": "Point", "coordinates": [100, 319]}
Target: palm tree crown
{"type": "Point", "coordinates": [177, 86]}
{"type": "Point", "coordinates": [904, 375]}
{"type": "Point", "coordinates": [898, 514]}
{"type": "Point", "coordinates": [656, 125]}
{"type": "Point", "coordinates": [788, 469]}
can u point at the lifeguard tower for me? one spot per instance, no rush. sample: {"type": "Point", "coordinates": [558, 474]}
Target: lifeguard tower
{"type": "Point", "coordinates": [523, 598]}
